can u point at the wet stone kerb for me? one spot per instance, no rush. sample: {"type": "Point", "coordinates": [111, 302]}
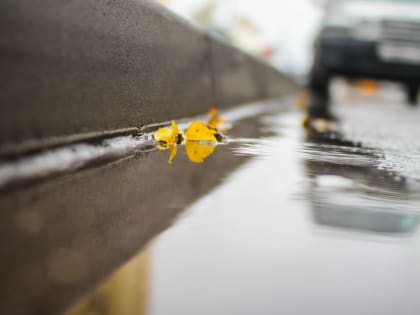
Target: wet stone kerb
{"type": "Point", "coordinates": [83, 68]}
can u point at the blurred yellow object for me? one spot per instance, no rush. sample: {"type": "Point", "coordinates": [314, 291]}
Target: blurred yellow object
{"type": "Point", "coordinates": [302, 100]}
{"type": "Point", "coordinates": [198, 131]}
{"type": "Point", "coordinates": [173, 149]}
{"type": "Point", "coordinates": [305, 122]}
{"type": "Point", "coordinates": [215, 121]}
{"type": "Point", "coordinates": [320, 125]}
{"type": "Point", "coordinates": [126, 292]}
{"type": "Point", "coordinates": [167, 137]}
{"type": "Point", "coordinates": [368, 88]}
{"type": "Point", "coordinates": [198, 152]}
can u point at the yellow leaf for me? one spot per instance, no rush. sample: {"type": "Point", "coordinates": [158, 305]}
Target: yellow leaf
{"type": "Point", "coordinates": [163, 135]}
{"type": "Point", "coordinates": [305, 122]}
{"type": "Point", "coordinates": [168, 136]}
{"type": "Point", "coordinates": [198, 131]}
{"type": "Point", "coordinates": [198, 152]}
{"type": "Point", "coordinates": [175, 129]}
{"type": "Point", "coordinates": [215, 120]}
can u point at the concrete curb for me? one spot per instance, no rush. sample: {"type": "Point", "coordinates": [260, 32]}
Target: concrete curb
{"type": "Point", "coordinates": [84, 68]}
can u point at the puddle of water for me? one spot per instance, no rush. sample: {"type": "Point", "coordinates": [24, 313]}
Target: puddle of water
{"type": "Point", "coordinates": [393, 128]}
{"type": "Point", "coordinates": [348, 189]}
{"type": "Point", "coordinates": [308, 224]}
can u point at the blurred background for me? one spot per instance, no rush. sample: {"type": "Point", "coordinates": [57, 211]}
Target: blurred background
{"type": "Point", "coordinates": [281, 32]}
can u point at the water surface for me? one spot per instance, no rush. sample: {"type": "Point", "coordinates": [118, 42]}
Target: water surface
{"type": "Point", "coordinates": [307, 223]}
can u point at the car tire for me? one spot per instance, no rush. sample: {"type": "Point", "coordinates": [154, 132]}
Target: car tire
{"type": "Point", "coordinates": [412, 92]}
{"type": "Point", "coordinates": [319, 82]}
{"type": "Point", "coordinates": [319, 93]}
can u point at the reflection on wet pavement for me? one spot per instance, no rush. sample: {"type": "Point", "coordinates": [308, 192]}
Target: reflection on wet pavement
{"type": "Point", "coordinates": [310, 223]}
{"type": "Point", "coordinates": [348, 190]}
{"type": "Point", "coordinates": [126, 292]}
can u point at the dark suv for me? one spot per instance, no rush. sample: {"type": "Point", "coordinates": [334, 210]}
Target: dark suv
{"type": "Point", "coordinates": [377, 39]}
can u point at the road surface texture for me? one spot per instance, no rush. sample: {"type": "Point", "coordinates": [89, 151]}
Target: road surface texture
{"type": "Point", "coordinates": [301, 223]}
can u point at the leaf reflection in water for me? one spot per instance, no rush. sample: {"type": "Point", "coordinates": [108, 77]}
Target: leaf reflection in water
{"type": "Point", "coordinates": [197, 152]}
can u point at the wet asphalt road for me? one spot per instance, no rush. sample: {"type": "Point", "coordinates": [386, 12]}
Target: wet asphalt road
{"type": "Point", "coordinates": [384, 122]}
{"type": "Point", "coordinates": [308, 224]}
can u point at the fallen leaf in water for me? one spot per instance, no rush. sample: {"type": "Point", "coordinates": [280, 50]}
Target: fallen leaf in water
{"type": "Point", "coordinates": [198, 131]}
{"type": "Point", "coordinates": [200, 138]}
{"type": "Point", "coordinates": [305, 122]}
{"type": "Point", "coordinates": [168, 137]}
{"type": "Point", "coordinates": [215, 121]}
{"type": "Point", "coordinates": [198, 152]}
{"type": "Point", "coordinates": [320, 125]}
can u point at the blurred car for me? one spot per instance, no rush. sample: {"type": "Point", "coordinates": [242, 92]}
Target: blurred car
{"type": "Point", "coordinates": [377, 39]}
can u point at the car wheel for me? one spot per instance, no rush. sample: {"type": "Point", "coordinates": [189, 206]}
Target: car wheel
{"type": "Point", "coordinates": [319, 95]}
{"type": "Point", "coordinates": [412, 92]}
{"type": "Point", "coordinates": [319, 82]}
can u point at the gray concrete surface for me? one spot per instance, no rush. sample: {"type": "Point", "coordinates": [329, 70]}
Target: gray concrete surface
{"type": "Point", "coordinates": [77, 69]}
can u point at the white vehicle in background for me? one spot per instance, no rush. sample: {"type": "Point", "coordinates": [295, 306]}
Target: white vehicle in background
{"type": "Point", "coordinates": [378, 39]}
